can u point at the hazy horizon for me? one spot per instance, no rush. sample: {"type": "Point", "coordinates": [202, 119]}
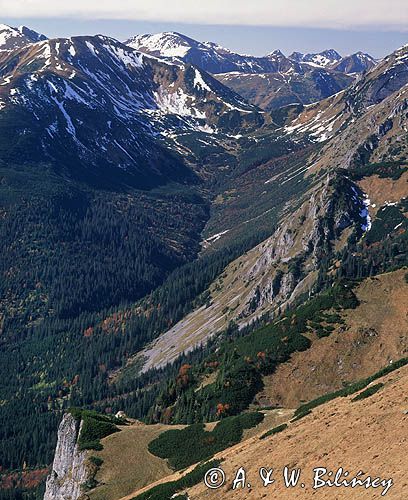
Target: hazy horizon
{"type": "Point", "coordinates": [254, 40]}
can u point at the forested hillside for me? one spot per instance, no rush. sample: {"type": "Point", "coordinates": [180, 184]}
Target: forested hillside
{"type": "Point", "coordinates": [165, 246]}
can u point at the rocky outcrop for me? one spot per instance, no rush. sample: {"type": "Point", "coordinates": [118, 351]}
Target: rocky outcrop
{"type": "Point", "coordinates": [297, 248]}
{"type": "Point", "coordinates": [69, 469]}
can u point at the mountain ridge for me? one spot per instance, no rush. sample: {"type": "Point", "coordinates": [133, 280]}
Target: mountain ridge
{"type": "Point", "coordinates": [270, 81]}
{"type": "Point", "coordinates": [94, 86]}
{"type": "Point", "coordinates": [166, 245]}
{"type": "Point", "coordinates": [216, 59]}
{"type": "Point", "coordinates": [12, 38]}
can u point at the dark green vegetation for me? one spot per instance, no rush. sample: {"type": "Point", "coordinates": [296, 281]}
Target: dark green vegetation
{"type": "Point", "coordinates": [74, 259]}
{"type": "Point", "coordinates": [275, 430]}
{"type": "Point", "coordinates": [94, 269]}
{"type": "Point", "coordinates": [194, 444]}
{"type": "Point", "coordinates": [94, 427]}
{"type": "Point", "coordinates": [167, 490]}
{"type": "Point", "coordinates": [386, 169]}
{"type": "Point", "coordinates": [97, 461]}
{"type": "Point", "coordinates": [250, 202]}
{"type": "Point", "coordinates": [68, 251]}
{"type": "Point", "coordinates": [384, 248]}
{"type": "Point", "coordinates": [350, 389]}
{"type": "Point", "coordinates": [81, 250]}
{"type": "Point", "coordinates": [388, 219]}
{"type": "Point", "coordinates": [23, 493]}
{"type": "Point", "coordinates": [242, 358]}
{"type": "Point", "coordinates": [301, 415]}
{"type": "Point", "coordinates": [368, 392]}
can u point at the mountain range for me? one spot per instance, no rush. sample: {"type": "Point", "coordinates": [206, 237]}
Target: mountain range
{"type": "Point", "coordinates": [186, 235]}
{"type": "Point", "coordinates": [271, 81]}
{"type": "Point", "coordinates": [215, 59]}
{"type": "Point", "coordinates": [104, 104]}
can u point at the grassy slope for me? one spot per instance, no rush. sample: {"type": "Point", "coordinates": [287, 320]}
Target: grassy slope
{"type": "Point", "coordinates": [127, 463]}
{"type": "Point", "coordinates": [366, 353]}
{"type": "Point", "coordinates": [339, 433]}
{"type": "Point", "coordinates": [374, 334]}
{"type": "Point", "coordinates": [128, 466]}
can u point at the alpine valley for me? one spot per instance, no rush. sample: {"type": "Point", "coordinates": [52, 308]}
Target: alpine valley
{"type": "Point", "coordinates": [198, 249]}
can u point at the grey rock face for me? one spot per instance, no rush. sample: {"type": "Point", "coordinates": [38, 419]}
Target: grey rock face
{"type": "Point", "coordinates": [68, 470]}
{"type": "Point", "coordinates": [306, 238]}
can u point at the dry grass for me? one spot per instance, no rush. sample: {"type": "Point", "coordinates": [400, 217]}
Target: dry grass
{"type": "Point", "coordinates": [369, 435]}
{"type": "Point", "coordinates": [382, 190]}
{"type": "Point", "coordinates": [128, 465]}
{"type": "Point", "coordinates": [272, 419]}
{"type": "Point", "coordinates": [374, 334]}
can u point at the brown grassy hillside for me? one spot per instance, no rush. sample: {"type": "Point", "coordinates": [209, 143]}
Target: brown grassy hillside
{"type": "Point", "coordinates": [374, 334]}
{"type": "Point", "coordinates": [368, 435]}
{"type": "Point", "coordinates": [127, 463]}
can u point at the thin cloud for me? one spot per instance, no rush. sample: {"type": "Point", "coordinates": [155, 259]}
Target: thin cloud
{"type": "Point", "coordinates": [344, 14]}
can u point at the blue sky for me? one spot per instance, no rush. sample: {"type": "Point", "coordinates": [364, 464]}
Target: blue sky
{"type": "Point", "coordinates": [254, 27]}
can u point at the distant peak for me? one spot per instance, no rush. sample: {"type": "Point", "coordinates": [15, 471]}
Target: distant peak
{"type": "Point", "coordinates": [12, 38]}
{"type": "Point", "coordinates": [277, 52]}
{"type": "Point", "coordinates": [331, 52]}
{"type": "Point", "coordinates": [31, 34]}
{"type": "Point", "coordinates": [6, 27]}
{"type": "Point", "coordinates": [164, 44]}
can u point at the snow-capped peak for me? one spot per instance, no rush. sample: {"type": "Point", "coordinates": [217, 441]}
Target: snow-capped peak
{"type": "Point", "coordinates": [13, 38]}
{"type": "Point", "coordinates": [166, 44]}
{"type": "Point", "coordinates": [322, 59]}
{"type": "Point", "coordinates": [276, 53]}
{"type": "Point", "coordinates": [209, 56]}
{"type": "Point", "coordinates": [331, 59]}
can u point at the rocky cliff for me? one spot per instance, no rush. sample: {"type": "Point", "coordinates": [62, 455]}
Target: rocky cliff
{"type": "Point", "coordinates": [69, 469]}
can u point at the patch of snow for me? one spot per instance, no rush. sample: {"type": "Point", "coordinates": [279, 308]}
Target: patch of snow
{"type": "Point", "coordinates": [214, 238]}
{"type": "Point", "coordinates": [70, 126]}
{"type": "Point", "coordinates": [176, 103]}
{"type": "Point", "coordinates": [6, 80]}
{"type": "Point", "coordinates": [365, 214]}
{"type": "Point", "coordinates": [72, 50]}
{"type": "Point", "coordinates": [128, 58]}
{"type": "Point", "coordinates": [7, 32]}
{"type": "Point", "coordinates": [165, 44]}
{"type": "Point", "coordinates": [46, 53]}
{"type": "Point", "coordinates": [90, 47]}
{"type": "Point", "coordinates": [199, 82]}
{"type": "Point", "coordinates": [72, 94]}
